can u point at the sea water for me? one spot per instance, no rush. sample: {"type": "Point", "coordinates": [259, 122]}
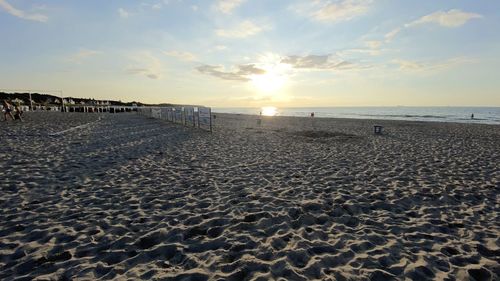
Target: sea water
{"type": "Point", "coordinates": [484, 115]}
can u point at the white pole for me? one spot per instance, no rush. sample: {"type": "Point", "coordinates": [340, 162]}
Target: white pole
{"type": "Point", "coordinates": [31, 103]}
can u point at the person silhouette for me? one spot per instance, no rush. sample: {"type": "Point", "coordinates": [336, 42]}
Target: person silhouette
{"type": "Point", "coordinates": [19, 112]}
{"type": "Point", "coordinates": [472, 116]}
{"type": "Point", "coordinates": [7, 110]}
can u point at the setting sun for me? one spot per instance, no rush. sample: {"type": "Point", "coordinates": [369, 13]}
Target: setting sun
{"type": "Point", "coordinates": [268, 82]}
{"type": "Point", "coordinates": [274, 76]}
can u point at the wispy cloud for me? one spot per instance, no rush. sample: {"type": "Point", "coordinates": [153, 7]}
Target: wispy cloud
{"type": "Point", "coordinates": [411, 65]}
{"type": "Point", "coordinates": [373, 44]}
{"type": "Point", "coordinates": [145, 64]}
{"type": "Point", "coordinates": [157, 6]}
{"type": "Point", "coordinates": [357, 51]}
{"type": "Point", "coordinates": [242, 30]}
{"type": "Point", "coordinates": [319, 62]}
{"type": "Point", "coordinates": [123, 13]}
{"type": "Point", "coordinates": [227, 6]}
{"type": "Point", "coordinates": [333, 11]}
{"type": "Point", "coordinates": [185, 56]}
{"type": "Point", "coordinates": [22, 14]}
{"type": "Point", "coordinates": [143, 71]}
{"type": "Point", "coordinates": [220, 48]}
{"type": "Point", "coordinates": [241, 73]}
{"type": "Point", "coordinates": [82, 55]}
{"type": "Point", "coordinates": [452, 18]}
{"type": "Point", "coordinates": [390, 35]}
{"type": "Point", "coordinates": [371, 47]}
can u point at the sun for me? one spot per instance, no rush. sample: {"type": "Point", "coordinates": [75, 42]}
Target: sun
{"type": "Point", "coordinates": [271, 81]}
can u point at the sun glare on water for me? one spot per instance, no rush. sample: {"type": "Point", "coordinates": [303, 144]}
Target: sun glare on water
{"type": "Point", "coordinates": [269, 111]}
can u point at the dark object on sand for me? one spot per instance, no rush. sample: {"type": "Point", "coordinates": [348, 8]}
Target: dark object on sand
{"type": "Point", "coordinates": [312, 114]}
{"type": "Point", "coordinates": [377, 129]}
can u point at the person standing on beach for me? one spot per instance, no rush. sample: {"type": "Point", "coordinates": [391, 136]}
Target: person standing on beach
{"type": "Point", "coordinates": [19, 112]}
{"type": "Point", "coordinates": [7, 110]}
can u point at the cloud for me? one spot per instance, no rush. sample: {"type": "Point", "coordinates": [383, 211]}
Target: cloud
{"type": "Point", "coordinates": [356, 51]}
{"type": "Point", "coordinates": [241, 73]}
{"type": "Point", "coordinates": [145, 64]}
{"type": "Point", "coordinates": [371, 47]}
{"type": "Point", "coordinates": [318, 62]}
{"type": "Point", "coordinates": [154, 5]}
{"type": "Point", "coordinates": [220, 47]}
{"type": "Point", "coordinates": [409, 65]}
{"type": "Point", "coordinates": [390, 35]}
{"type": "Point", "coordinates": [185, 56]}
{"type": "Point", "coordinates": [373, 44]}
{"type": "Point", "coordinates": [250, 69]}
{"type": "Point", "coordinates": [333, 11]}
{"type": "Point", "coordinates": [242, 30]}
{"type": "Point", "coordinates": [123, 13]}
{"type": "Point", "coordinates": [278, 68]}
{"type": "Point", "coordinates": [451, 19]}
{"type": "Point", "coordinates": [82, 55]}
{"type": "Point", "coordinates": [143, 71]}
{"type": "Point", "coordinates": [22, 14]}
{"type": "Point", "coordinates": [227, 6]}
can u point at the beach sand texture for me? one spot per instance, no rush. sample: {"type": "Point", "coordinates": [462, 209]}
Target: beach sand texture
{"type": "Point", "coordinates": [128, 197]}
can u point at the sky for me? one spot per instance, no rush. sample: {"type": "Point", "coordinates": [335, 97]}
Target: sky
{"type": "Point", "coordinates": [249, 53]}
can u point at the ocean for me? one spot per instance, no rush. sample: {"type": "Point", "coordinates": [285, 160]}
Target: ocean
{"type": "Point", "coordinates": [483, 115]}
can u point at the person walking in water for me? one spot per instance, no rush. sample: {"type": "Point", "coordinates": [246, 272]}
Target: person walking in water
{"type": "Point", "coordinates": [7, 110]}
{"type": "Point", "coordinates": [472, 116]}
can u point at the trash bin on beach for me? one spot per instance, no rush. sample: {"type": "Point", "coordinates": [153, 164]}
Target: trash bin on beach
{"type": "Point", "coordinates": [377, 129]}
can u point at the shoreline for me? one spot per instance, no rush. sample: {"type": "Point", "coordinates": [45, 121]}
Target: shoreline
{"type": "Point", "coordinates": [400, 116]}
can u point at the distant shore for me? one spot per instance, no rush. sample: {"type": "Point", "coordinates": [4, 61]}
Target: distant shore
{"type": "Point", "coordinates": [125, 196]}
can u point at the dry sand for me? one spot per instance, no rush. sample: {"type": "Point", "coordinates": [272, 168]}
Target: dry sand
{"type": "Point", "coordinates": [126, 197]}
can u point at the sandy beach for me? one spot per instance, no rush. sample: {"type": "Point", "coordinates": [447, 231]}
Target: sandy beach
{"type": "Point", "coordinates": [125, 197]}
